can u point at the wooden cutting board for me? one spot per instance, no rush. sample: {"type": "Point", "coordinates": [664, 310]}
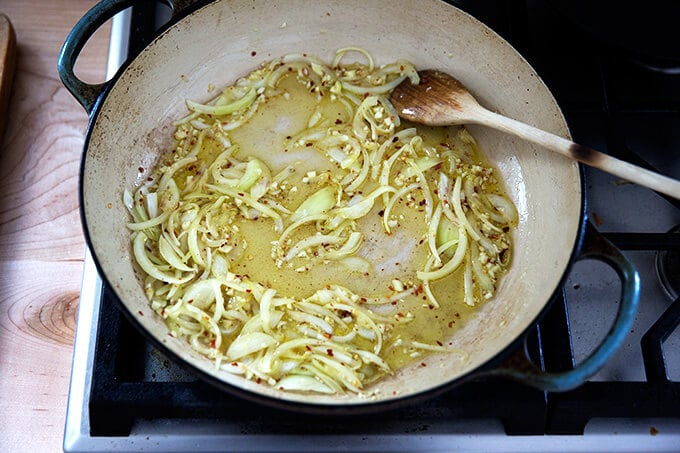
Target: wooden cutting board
{"type": "Point", "coordinates": [7, 65]}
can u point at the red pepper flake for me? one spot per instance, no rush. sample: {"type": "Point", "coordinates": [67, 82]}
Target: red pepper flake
{"type": "Point", "coordinates": [140, 313]}
{"type": "Point", "coordinates": [234, 364]}
{"type": "Point", "coordinates": [327, 335]}
{"type": "Point", "coordinates": [253, 53]}
{"type": "Point", "coordinates": [328, 14]}
{"type": "Point", "coordinates": [338, 121]}
{"type": "Point", "coordinates": [307, 347]}
{"type": "Point", "coordinates": [190, 301]}
{"type": "Point", "coordinates": [597, 219]}
{"type": "Point", "coordinates": [451, 323]}
{"type": "Point", "coordinates": [258, 380]}
{"type": "Point", "coordinates": [423, 364]}
{"type": "Point", "coordinates": [140, 169]}
{"type": "Point", "coordinates": [213, 343]}
{"type": "Point", "coordinates": [440, 343]}
{"type": "Point", "coordinates": [329, 351]}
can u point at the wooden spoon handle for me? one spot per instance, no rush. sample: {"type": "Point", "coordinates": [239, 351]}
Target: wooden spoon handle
{"type": "Point", "coordinates": [588, 156]}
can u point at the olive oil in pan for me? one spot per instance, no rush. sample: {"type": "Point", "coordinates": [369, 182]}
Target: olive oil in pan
{"type": "Point", "coordinates": [395, 257]}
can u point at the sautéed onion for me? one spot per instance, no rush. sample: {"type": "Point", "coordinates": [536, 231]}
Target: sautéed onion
{"type": "Point", "coordinates": [189, 227]}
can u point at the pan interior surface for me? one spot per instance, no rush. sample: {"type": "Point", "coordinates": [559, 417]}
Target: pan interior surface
{"type": "Point", "coordinates": [227, 39]}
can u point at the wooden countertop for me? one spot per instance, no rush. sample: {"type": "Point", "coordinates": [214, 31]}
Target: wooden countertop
{"type": "Point", "coordinates": [41, 241]}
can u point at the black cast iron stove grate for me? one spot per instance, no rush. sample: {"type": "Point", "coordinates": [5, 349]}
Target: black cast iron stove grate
{"type": "Point", "coordinates": [588, 91]}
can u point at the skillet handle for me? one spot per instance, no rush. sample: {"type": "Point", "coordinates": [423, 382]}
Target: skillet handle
{"type": "Point", "coordinates": [595, 247]}
{"type": "Point", "coordinates": [85, 93]}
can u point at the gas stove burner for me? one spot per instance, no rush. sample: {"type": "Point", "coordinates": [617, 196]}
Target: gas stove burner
{"type": "Point", "coordinates": [668, 268]}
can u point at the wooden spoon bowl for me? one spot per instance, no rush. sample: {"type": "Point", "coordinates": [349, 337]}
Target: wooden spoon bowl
{"type": "Point", "coordinates": [441, 100]}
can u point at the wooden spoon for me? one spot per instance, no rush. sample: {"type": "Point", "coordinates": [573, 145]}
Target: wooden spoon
{"type": "Point", "coordinates": [441, 100]}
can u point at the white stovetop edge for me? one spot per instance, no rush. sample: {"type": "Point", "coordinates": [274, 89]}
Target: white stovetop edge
{"type": "Point", "coordinates": [179, 436]}
{"type": "Point", "coordinates": [77, 412]}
